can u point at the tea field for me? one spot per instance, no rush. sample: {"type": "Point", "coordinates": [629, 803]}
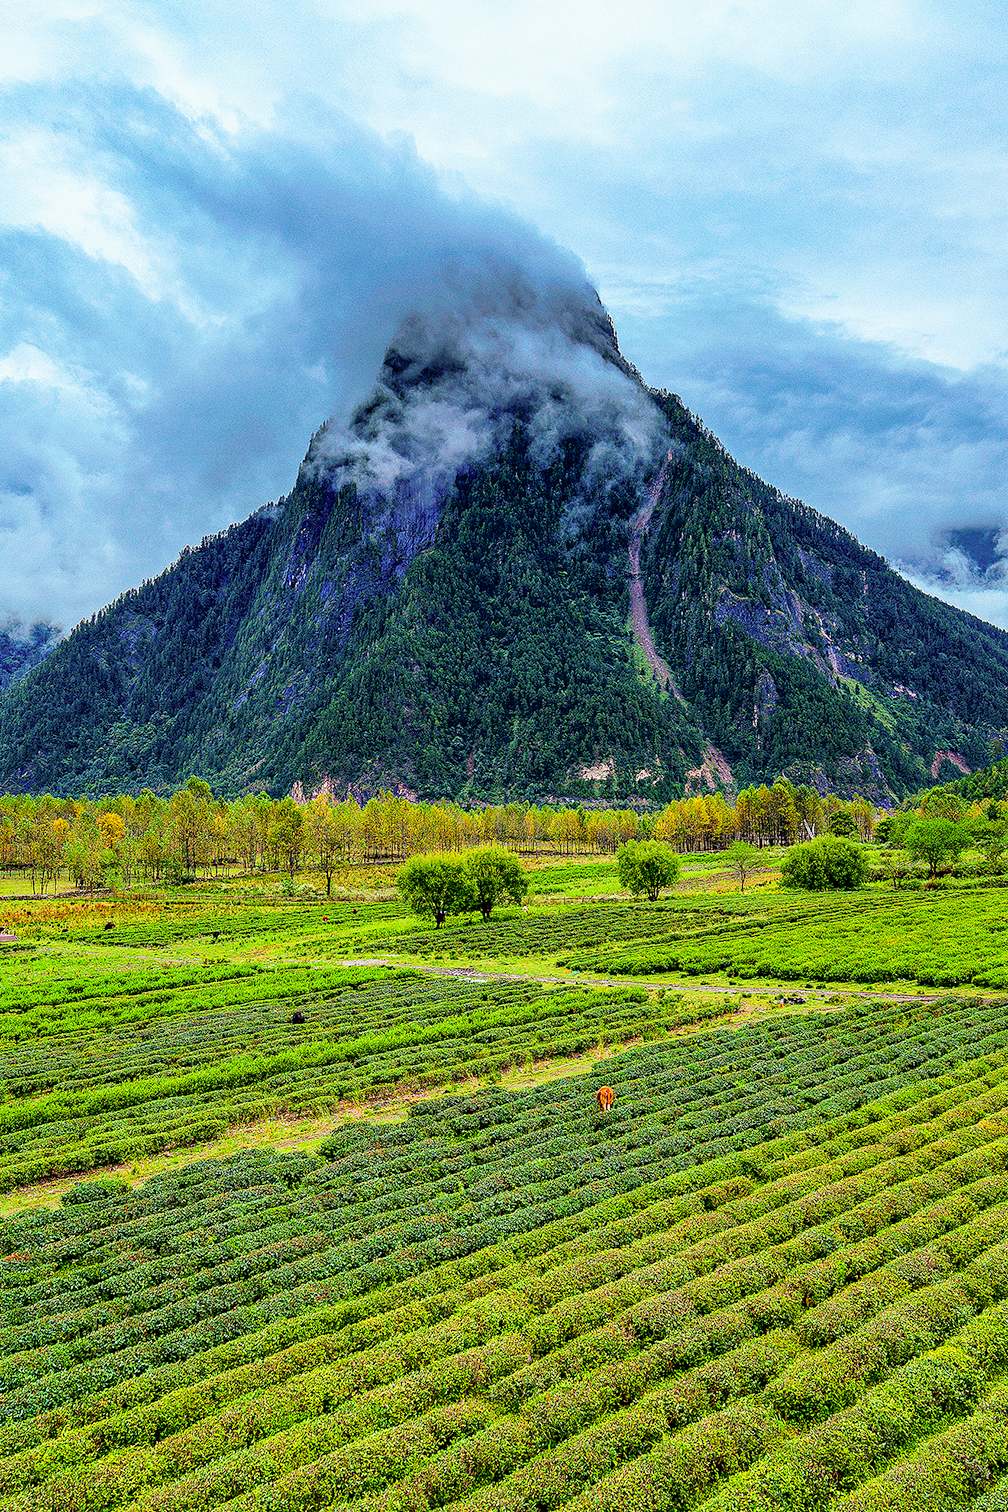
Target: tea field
{"type": "Point", "coordinates": [775, 1276]}
{"type": "Point", "coordinates": [944, 938]}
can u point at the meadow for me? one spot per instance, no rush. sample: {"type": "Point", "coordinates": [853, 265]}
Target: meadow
{"type": "Point", "coordinates": [393, 1256]}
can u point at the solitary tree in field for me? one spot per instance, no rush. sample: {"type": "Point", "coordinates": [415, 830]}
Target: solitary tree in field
{"type": "Point", "coordinates": [646, 866]}
{"type": "Point", "coordinates": [743, 860]}
{"type": "Point", "coordinates": [437, 886]}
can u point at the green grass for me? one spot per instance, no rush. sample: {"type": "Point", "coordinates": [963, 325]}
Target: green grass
{"type": "Point", "coordinates": [574, 879]}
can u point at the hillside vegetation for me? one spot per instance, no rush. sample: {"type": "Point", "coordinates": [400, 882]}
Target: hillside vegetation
{"type": "Point", "coordinates": [988, 785]}
{"type": "Point", "coordinates": [22, 648]}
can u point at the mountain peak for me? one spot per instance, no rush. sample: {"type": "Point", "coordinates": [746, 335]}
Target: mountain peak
{"type": "Point", "coordinates": [460, 371]}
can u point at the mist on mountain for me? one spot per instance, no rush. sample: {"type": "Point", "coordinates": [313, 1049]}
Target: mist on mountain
{"type": "Point", "coordinates": [494, 343]}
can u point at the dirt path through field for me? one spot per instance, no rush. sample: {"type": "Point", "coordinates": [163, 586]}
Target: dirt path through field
{"type": "Point", "coordinates": [810, 997]}
{"type": "Point", "coordinates": [638, 608]}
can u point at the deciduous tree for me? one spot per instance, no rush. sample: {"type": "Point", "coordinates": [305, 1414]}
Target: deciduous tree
{"type": "Point", "coordinates": [934, 841]}
{"type": "Point", "coordinates": [437, 886]}
{"type": "Point", "coordinates": [496, 874]}
{"type": "Point", "coordinates": [743, 860]}
{"type": "Point", "coordinates": [646, 866]}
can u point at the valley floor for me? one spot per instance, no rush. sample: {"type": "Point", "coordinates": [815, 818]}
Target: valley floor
{"type": "Point", "coordinates": [392, 1255]}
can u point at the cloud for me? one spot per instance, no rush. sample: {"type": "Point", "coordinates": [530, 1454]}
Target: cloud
{"type": "Point", "coordinates": [491, 340]}
{"type": "Point", "coordinates": [164, 379]}
{"type": "Point", "coordinates": [796, 214]}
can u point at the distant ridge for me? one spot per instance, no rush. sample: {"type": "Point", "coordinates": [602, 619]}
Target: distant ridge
{"type": "Point", "coordinates": [23, 647]}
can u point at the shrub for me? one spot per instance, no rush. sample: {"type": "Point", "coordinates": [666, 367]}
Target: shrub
{"type": "Point", "coordinates": [823, 863]}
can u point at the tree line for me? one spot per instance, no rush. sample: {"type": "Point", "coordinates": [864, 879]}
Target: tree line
{"type": "Point", "coordinates": [938, 830]}
{"type": "Point", "coordinates": [125, 840]}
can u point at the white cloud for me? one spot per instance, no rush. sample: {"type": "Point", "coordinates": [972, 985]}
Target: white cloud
{"type": "Point", "coordinates": [487, 341]}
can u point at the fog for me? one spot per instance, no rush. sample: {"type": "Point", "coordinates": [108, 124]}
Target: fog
{"type": "Point", "coordinates": [490, 340]}
{"type": "Point", "coordinates": [166, 380]}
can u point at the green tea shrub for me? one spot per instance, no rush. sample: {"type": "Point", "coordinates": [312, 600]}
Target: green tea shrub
{"type": "Point", "coordinates": [740, 1290]}
{"type": "Point", "coordinates": [99, 1190]}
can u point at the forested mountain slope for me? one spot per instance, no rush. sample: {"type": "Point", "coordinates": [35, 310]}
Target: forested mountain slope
{"type": "Point", "coordinates": [441, 604]}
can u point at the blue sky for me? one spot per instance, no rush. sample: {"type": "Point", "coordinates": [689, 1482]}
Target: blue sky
{"type": "Point", "coordinates": [212, 218]}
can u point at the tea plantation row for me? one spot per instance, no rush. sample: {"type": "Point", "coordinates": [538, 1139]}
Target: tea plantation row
{"type": "Point", "coordinates": [775, 1276]}
{"type": "Point", "coordinates": [939, 939]}
{"type": "Point", "coordinates": [186, 1060]}
{"type": "Point", "coordinates": [948, 938]}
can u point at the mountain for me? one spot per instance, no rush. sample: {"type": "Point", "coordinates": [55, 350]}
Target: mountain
{"type": "Point", "coordinates": [515, 570]}
{"type": "Point", "coordinates": [987, 785]}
